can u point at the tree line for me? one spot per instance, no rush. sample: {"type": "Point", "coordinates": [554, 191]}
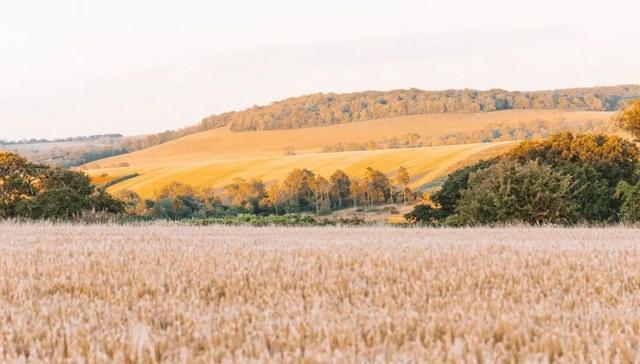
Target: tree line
{"type": "Point", "coordinates": [503, 131]}
{"type": "Point", "coordinates": [301, 191]}
{"type": "Point", "coordinates": [88, 138]}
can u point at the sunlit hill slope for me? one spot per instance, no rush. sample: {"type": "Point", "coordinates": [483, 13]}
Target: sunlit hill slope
{"type": "Point", "coordinates": [215, 157]}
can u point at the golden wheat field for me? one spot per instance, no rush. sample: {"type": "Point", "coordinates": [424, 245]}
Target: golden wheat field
{"type": "Point", "coordinates": [424, 164]}
{"type": "Point", "coordinates": [214, 158]}
{"type": "Point", "coordinates": [162, 293]}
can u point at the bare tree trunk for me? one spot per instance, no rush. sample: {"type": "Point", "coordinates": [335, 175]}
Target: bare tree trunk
{"type": "Point", "coordinates": [355, 202]}
{"type": "Point", "coordinates": [404, 193]}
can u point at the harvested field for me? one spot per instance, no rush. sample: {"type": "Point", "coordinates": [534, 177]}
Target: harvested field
{"type": "Point", "coordinates": [163, 293]}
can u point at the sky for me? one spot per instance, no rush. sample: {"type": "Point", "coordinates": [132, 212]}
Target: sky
{"type": "Point", "coordinates": [82, 67]}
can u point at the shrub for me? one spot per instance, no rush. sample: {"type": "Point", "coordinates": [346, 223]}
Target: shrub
{"type": "Point", "coordinates": [630, 209]}
{"type": "Point", "coordinates": [510, 191]}
{"type": "Point", "coordinates": [422, 214]}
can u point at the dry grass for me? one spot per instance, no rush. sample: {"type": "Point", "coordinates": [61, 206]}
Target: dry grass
{"type": "Point", "coordinates": [215, 157]}
{"type": "Point", "coordinates": [222, 294]}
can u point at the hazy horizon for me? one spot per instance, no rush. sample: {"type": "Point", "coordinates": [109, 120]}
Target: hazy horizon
{"type": "Point", "coordinates": [88, 67]}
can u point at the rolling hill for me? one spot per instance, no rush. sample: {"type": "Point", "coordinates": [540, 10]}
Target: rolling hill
{"type": "Point", "coordinates": [215, 157]}
{"type": "Point", "coordinates": [325, 109]}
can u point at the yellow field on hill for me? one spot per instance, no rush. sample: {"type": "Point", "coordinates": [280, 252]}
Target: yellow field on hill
{"type": "Point", "coordinates": [425, 165]}
{"type": "Point", "coordinates": [215, 157]}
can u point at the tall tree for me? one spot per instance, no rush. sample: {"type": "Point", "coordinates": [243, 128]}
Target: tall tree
{"type": "Point", "coordinates": [275, 198]}
{"type": "Point", "coordinates": [402, 178]}
{"type": "Point", "coordinates": [340, 187]}
{"type": "Point", "coordinates": [19, 180]}
{"type": "Point", "coordinates": [298, 189]}
{"type": "Point", "coordinates": [377, 186]}
{"type": "Point", "coordinates": [248, 195]}
{"type": "Point", "coordinates": [320, 187]}
{"type": "Point", "coordinates": [355, 189]}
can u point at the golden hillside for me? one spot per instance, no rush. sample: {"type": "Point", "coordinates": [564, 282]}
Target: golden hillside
{"type": "Point", "coordinates": [215, 157]}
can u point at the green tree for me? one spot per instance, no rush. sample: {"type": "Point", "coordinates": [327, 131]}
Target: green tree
{"type": "Point", "coordinates": [630, 209]}
{"type": "Point", "coordinates": [422, 214]}
{"type": "Point", "coordinates": [19, 180]}
{"type": "Point", "coordinates": [448, 196]}
{"type": "Point", "coordinates": [591, 194]}
{"type": "Point", "coordinates": [514, 192]}
{"type": "Point", "coordinates": [50, 193]}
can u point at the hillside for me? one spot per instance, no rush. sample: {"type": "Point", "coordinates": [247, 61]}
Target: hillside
{"type": "Point", "coordinates": [334, 109]}
{"type": "Point", "coordinates": [67, 152]}
{"type": "Point", "coordinates": [215, 157]}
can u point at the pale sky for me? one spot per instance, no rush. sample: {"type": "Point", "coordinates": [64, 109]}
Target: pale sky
{"type": "Point", "coordinates": [80, 67]}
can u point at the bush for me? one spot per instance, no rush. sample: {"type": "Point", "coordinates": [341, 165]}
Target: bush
{"type": "Point", "coordinates": [630, 209]}
{"type": "Point", "coordinates": [562, 179]}
{"type": "Point", "coordinates": [510, 191]}
{"type": "Point", "coordinates": [447, 197]}
{"type": "Point", "coordinates": [422, 214]}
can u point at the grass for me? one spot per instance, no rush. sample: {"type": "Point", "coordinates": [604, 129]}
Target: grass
{"type": "Point", "coordinates": [163, 293]}
{"type": "Point", "coordinates": [215, 157]}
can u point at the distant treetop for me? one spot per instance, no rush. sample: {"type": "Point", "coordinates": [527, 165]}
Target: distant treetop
{"type": "Point", "coordinates": [89, 138]}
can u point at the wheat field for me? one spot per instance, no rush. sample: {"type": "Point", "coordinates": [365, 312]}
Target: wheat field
{"type": "Point", "coordinates": [214, 158]}
{"type": "Point", "coordinates": [424, 164]}
{"type": "Point", "coordinates": [162, 293]}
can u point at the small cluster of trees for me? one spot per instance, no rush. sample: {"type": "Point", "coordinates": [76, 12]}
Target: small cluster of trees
{"type": "Point", "coordinates": [301, 191]}
{"type": "Point", "coordinates": [36, 191]}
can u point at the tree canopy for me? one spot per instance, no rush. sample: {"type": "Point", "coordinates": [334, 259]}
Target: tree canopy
{"type": "Point", "coordinates": [41, 192]}
{"type": "Point", "coordinates": [563, 179]}
{"type": "Point", "coordinates": [629, 118]}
